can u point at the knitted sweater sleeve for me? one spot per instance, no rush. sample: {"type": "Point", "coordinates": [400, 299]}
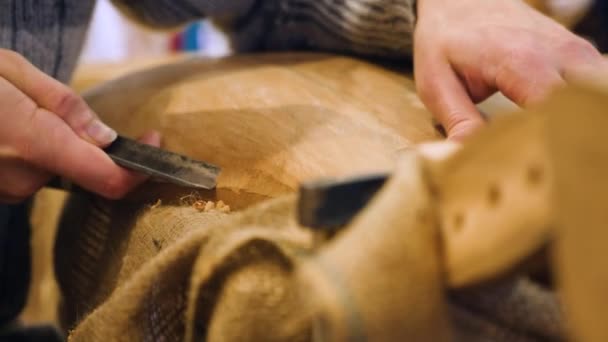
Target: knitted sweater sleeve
{"type": "Point", "coordinates": [366, 27]}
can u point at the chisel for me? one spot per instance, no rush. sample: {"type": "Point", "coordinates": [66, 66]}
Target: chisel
{"type": "Point", "coordinates": [159, 164]}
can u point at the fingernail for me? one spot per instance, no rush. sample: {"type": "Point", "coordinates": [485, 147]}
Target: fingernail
{"type": "Point", "coordinates": [100, 133]}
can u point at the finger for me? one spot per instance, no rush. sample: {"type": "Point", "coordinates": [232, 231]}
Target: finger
{"type": "Point", "coordinates": [60, 151]}
{"type": "Point", "coordinates": [586, 72]}
{"type": "Point", "coordinates": [528, 78]}
{"type": "Point", "coordinates": [443, 93]}
{"type": "Point", "coordinates": [55, 97]}
{"type": "Point", "coordinates": [20, 180]}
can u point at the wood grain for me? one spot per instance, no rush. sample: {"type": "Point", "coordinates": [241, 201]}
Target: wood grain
{"type": "Point", "coordinates": [274, 121]}
{"type": "Point", "coordinates": [271, 121]}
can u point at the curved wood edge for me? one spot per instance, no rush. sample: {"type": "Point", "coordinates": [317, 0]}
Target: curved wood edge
{"type": "Point", "coordinates": [579, 153]}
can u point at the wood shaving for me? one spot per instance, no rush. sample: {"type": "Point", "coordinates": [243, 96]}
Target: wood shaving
{"type": "Point", "coordinates": [189, 199]}
{"type": "Point", "coordinates": [205, 206]}
{"type": "Point", "coordinates": [199, 205]}
{"type": "Point", "coordinates": [223, 207]}
{"type": "Point", "coordinates": [156, 204]}
{"type": "Point", "coordinates": [209, 206]}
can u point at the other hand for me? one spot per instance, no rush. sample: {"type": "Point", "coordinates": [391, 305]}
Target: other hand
{"type": "Point", "coordinates": [466, 50]}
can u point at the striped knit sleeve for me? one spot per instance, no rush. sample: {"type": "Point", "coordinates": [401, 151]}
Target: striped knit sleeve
{"type": "Point", "coordinates": [365, 27]}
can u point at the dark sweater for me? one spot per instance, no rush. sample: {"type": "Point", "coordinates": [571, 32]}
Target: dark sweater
{"type": "Point", "coordinates": [50, 33]}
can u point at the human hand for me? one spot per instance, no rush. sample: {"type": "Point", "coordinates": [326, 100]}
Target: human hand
{"type": "Point", "coordinates": [49, 130]}
{"type": "Point", "coordinates": [466, 50]}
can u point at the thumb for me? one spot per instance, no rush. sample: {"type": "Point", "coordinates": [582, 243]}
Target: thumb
{"type": "Point", "coordinates": [446, 97]}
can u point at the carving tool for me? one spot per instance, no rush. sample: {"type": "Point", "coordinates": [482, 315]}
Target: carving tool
{"type": "Point", "coordinates": [161, 165]}
{"type": "Point", "coordinates": [330, 204]}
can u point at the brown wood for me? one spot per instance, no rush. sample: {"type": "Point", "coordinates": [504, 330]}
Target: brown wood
{"type": "Point", "coordinates": [577, 140]}
{"type": "Point", "coordinates": [271, 121]}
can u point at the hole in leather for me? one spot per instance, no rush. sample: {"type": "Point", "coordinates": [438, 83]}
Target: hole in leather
{"type": "Point", "coordinates": [458, 222]}
{"type": "Point", "coordinates": [534, 175]}
{"type": "Point", "coordinates": [424, 216]}
{"type": "Point", "coordinates": [494, 195]}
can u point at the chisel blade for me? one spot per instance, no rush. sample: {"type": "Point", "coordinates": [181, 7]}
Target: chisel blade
{"type": "Point", "coordinates": [330, 204]}
{"type": "Point", "coordinates": [163, 165]}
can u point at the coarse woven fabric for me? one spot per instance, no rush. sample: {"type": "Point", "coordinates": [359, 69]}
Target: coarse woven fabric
{"type": "Point", "coordinates": [172, 272]}
{"type": "Point", "coordinates": [163, 277]}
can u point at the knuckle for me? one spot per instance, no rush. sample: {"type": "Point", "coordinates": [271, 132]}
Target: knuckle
{"type": "Point", "coordinates": [66, 102]}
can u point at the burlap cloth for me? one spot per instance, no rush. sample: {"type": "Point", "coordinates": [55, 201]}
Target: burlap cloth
{"type": "Point", "coordinates": [168, 272]}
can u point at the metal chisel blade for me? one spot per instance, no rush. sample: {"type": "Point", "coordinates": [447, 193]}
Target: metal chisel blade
{"type": "Point", "coordinates": [330, 204]}
{"type": "Point", "coordinates": [163, 165]}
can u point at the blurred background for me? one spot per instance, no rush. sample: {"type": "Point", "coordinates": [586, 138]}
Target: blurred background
{"type": "Point", "coordinates": [113, 38]}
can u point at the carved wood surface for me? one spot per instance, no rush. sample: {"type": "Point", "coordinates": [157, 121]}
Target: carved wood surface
{"type": "Point", "coordinates": [271, 121]}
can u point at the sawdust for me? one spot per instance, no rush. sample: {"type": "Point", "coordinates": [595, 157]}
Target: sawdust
{"type": "Point", "coordinates": [207, 206]}
{"type": "Point", "coordinates": [221, 206]}
{"type": "Point", "coordinates": [197, 202]}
